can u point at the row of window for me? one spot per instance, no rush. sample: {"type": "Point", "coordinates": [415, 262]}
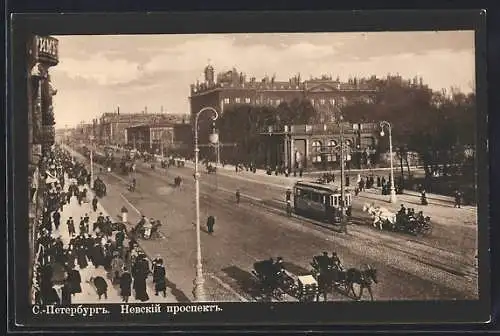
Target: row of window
{"type": "Point", "coordinates": [317, 145]}
{"type": "Point", "coordinates": [247, 100]}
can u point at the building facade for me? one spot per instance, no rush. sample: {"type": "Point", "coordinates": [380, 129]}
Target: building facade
{"type": "Point", "coordinates": [232, 87]}
{"type": "Point", "coordinates": [318, 146]}
{"type": "Point", "coordinates": [112, 128]}
{"type": "Point", "coordinates": [160, 138]}
{"type": "Point", "coordinates": [41, 54]}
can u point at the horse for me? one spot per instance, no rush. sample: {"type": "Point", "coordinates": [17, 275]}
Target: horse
{"type": "Point", "coordinates": [381, 216]}
{"type": "Point", "coordinates": [364, 278]}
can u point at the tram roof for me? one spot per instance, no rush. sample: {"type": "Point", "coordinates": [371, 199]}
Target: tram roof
{"type": "Point", "coordinates": [318, 186]}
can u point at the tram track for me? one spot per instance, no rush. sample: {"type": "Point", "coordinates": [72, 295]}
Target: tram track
{"type": "Point", "coordinates": [421, 263]}
{"type": "Point", "coordinates": [367, 244]}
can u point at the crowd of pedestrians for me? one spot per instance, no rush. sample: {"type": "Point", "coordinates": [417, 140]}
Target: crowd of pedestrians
{"type": "Point", "coordinates": [96, 254]}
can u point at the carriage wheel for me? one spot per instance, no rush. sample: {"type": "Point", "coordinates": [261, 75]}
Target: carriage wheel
{"type": "Point", "coordinates": [426, 230]}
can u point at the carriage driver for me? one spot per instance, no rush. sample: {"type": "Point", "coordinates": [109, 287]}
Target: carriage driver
{"type": "Point", "coordinates": [335, 261]}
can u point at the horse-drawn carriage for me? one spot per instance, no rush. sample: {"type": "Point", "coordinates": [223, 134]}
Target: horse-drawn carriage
{"type": "Point", "coordinates": [272, 281]}
{"type": "Point", "coordinates": [331, 275]}
{"type": "Point", "coordinates": [99, 188]}
{"type": "Point", "coordinates": [403, 221]}
{"type": "Point", "coordinates": [211, 169]}
{"type": "Point", "coordinates": [126, 167]}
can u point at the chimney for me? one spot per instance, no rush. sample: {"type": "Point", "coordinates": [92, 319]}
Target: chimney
{"type": "Point", "coordinates": [161, 109]}
{"type": "Point", "coordinates": [118, 110]}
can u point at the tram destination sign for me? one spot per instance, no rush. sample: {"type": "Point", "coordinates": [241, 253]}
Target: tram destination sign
{"type": "Point", "coordinates": [47, 49]}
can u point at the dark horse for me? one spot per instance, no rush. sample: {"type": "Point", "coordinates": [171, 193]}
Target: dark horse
{"type": "Point", "coordinates": [347, 279]}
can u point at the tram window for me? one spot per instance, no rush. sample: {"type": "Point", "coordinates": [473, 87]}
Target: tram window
{"type": "Point", "coordinates": [335, 200]}
{"type": "Point", "coordinates": [315, 197]}
{"type": "Point", "coordinates": [331, 200]}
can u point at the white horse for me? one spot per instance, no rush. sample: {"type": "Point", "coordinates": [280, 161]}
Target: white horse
{"type": "Point", "coordinates": [380, 215]}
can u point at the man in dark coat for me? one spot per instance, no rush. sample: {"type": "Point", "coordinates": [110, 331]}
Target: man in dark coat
{"type": "Point", "coordinates": [74, 279]}
{"type": "Point", "coordinates": [159, 280]}
{"type": "Point", "coordinates": [71, 226]}
{"type": "Point", "coordinates": [57, 219]}
{"type": "Point", "coordinates": [94, 203]}
{"type": "Point", "coordinates": [210, 224]}
{"type": "Point", "coordinates": [66, 293]}
{"type": "Point", "coordinates": [119, 238]}
{"type": "Point", "coordinates": [82, 227]}
{"type": "Point", "coordinates": [125, 285]}
{"type": "Point", "coordinates": [101, 286]}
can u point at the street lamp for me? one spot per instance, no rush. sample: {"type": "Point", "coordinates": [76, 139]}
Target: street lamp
{"type": "Point", "coordinates": [342, 162]}
{"type": "Point", "coordinates": [91, 160]}
{"type": "Point", "coordinates": [199, 292]}
{"type": "Point", "coordinates": [389, 127]}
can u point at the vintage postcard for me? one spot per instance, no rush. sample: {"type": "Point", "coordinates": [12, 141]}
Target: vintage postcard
{"type": "Point", "coordinates": [183, 173]}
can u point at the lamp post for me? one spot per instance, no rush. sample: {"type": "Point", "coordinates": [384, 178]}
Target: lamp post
{"type": "Point", "coordinates": [387, 124]}
{"type": "Point", "coordinates": [199, 292]}
{"type": "Point", "coordinates": [91, 160]}
{"type": "Point", "coordinates": [342, 170]}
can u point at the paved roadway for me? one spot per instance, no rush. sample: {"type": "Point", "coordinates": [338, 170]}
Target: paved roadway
{"type": "Point", "coordinates": [438, 267]}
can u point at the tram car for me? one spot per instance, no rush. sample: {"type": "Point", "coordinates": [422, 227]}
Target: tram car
{"type": "Point", "coordinates": [320, 201]}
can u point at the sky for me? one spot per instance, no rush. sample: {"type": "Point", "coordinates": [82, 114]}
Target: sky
{"type": "Point", "coordinates": [97, 73]}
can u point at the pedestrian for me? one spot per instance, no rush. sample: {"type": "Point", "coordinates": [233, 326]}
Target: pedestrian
{"type": "Point", "coordinates": [100, 285]}
{"type": "Point", "coordinates": [140, 272]}
{"type": "Point", "coordinates": [210, 224]}
{"type": "Point", "coordinates": [66, 294]}
{"type": "Point", "coordinates": [125, 285]}
{"type": "Point", "coordinates": [423, 198]}
{"type": "Point", "coordinates": [57, 219]}
{"type": "Point", "coordinates": [288, 195]}
{"type": "Point", "coordinates": [117, 265]}
{"type": "Point", "coordinates": [79, 198]}
{"type": "Point", "coordinates": [159, 278]}
{"type": "Point", "coordinates": [458, 199]}
{"type": "Point", "coordinates": [238, 196]}
{"type": "Point", "coordinates": [94, 203]}
{"type": "Point", "coordinates": [82, 226]}
{"type": "Point", "coordinates": [74, 279]}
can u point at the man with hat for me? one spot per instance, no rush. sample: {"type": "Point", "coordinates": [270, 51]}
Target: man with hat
{"type": "Point", "coordinates": [159, 277]}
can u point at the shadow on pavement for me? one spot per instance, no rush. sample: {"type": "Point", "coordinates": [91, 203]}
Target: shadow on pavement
{"type": "Point", "coordinates": [177, 293]}
{"type": "Point", "coordinates": [244, 280]}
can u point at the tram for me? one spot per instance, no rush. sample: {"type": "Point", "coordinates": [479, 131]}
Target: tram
{"type": "Point", "coordinates": [320, 201]}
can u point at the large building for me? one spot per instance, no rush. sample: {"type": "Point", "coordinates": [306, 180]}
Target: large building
{"type": "Point", "coordinates": [232, 87]}
{"type": "Point", "coordinates": [111, 128]}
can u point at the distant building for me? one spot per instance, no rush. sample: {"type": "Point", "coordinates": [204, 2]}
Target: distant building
{"type": "Point", "coordinates": [160, 138]}
{"type": "Point", "coordinates": [112, 126]}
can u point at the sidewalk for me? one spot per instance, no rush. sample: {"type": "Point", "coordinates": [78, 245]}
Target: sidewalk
{"type": "Point", "coordinates": [179, 271]}
{"type": "Point", "coordinates": [89, 294]}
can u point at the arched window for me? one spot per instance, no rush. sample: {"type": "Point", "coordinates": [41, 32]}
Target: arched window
{"type": "Point", "coordinates": [331, 156]}
{"type": "Point", "coordinates": [316, 151]}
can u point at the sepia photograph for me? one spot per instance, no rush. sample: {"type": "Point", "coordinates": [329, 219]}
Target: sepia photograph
{"type": "Point", "coordinates": [256, 167]}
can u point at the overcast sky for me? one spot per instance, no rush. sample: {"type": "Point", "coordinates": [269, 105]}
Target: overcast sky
{"type": "Point", "coordinates": [97, 73]}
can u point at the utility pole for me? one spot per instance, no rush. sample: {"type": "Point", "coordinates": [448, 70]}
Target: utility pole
{"type": "Point", "coordinates": [342, 176]}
